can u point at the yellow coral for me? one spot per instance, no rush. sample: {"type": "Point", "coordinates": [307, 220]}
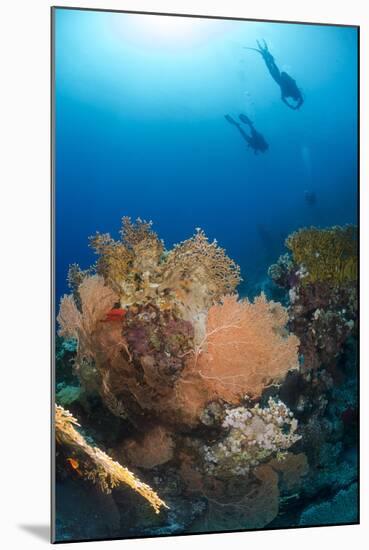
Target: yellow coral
{"type": "Point", "coordinates": [328, 255]}
{"type": "Point", "coordinates": [97, 466]}
{"type": "Point", "coordinates": [114, 259]}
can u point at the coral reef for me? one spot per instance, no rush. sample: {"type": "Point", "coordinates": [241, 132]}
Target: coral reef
{"type": "Point", "coordinates": [233, 410]}
{"type": "Point", "coordinates": [176, 342]}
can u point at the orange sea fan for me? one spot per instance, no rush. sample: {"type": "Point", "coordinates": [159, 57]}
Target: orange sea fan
{"type": "Point", "coordinates": [96, 300]}
{"type": "Point", "coordinates": [246, 347]}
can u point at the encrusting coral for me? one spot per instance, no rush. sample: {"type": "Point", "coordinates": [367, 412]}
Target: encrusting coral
{"type": "Point", "coordinates": [93, 464]}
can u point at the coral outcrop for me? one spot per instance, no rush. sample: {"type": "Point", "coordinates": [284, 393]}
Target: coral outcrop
{"type": "Point", "coordinates": [157, 335]}
{"type": "Point", "coordinates": [230, 408]}
{"type": "Point", "coordinates": [321, 279]}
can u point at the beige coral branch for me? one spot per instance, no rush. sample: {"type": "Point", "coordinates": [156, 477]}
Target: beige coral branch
{"type": "Point", "coordinates": [105, 471]}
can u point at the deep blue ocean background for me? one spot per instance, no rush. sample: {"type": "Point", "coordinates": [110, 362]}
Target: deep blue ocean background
{"type": "Point", "coordinates": [140, 131]}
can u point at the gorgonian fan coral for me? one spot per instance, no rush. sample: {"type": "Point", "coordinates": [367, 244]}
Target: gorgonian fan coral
{"type": "Point", "coordinates": [245, 347]}
{"type": "Point", "coordinates": [96, 300]}
{"type": "Point", "coordinates": [80, 318]}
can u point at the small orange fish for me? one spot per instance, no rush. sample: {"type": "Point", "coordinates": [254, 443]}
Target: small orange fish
{"type": "Point", "coordinates": [115, 315]}
{"type": "Point", "coordinates": [74, 463]}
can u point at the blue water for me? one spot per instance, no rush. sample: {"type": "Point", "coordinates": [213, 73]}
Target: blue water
{"type": "Point", "coordinates": [140, 131]}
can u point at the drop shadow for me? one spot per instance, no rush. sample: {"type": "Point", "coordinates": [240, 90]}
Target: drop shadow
{"type": "Point", "coordinates": [42, 532]}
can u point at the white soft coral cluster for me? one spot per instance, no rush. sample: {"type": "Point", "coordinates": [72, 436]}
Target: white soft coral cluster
{"type": "Point", "coordinates": [254, 435]}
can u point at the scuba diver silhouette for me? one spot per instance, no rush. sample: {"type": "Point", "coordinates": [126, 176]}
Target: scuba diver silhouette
{"type": "Point", "coordinates": [287, 84]}
{"type": "Point", "coordinates": [256, 141]}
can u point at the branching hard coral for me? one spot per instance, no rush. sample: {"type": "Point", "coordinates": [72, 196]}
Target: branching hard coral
{"type": "Point", "coordinates": [138, 232]}
{"type": "Point", "coordinates": [190, 278]}
{"type": "Point", "coordinates": [326, 254]}
{"type": "Point", "coordinates": [207, 260]}
{"type": "Point", "coordinates": [130, 266]}
{"type": "Point", "coordinates": [114, 259]}
{"type": "Point", "coordinates": [197, 273]}
{"type": "Point", "coordinates": [255, 434]}
{"type": "Point", "coordinates": [245, 347]}
{"type": "Point", "coordinates": [92, 463]}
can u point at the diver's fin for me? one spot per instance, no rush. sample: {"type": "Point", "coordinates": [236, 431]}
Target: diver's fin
{"type": "Point", "coordinates": [254, 49]}
{"type": "Point", "coordinates": [245, 119]}
{"type": "Point", "coordinates": [231, 120]}
{"type": "Point", "coordinates": [265, 45]}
